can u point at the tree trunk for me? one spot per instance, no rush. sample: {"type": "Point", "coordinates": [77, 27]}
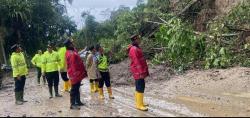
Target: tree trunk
{"type": "Point", "coordinates": [2, 54]}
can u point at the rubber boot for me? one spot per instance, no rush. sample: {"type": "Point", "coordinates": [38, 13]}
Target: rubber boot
{"type": "Point", "coordinates": [78, 100]}
{"type": "Point", "coordinates": [18, 98]}
{"type": "Point", "coordinates": [139, 102]}
{"type": "Point", "coordinates": [101, 95]}
{"type": "Point", "coordinates": [38, 81]}
{"type": "Point", "coordinates": [56, 92]}
{"type": "Point", "coordinates": [73, 106]}
{"type": "Point", "coordinates": [110, 93]}
{"type": "Point", "coordinates": [96, 87]}
{"type": "Point", "coordinates": [22, 94]}
{"type": "Point", "coordinates": [144, 104]}
{"type": "Point", "coordinates": [65, 87]}
{"type": "Point", "coordinates": [50, 92]}
{"type": "Point", "coordinates": [44, 80]}
{"type": "Point", "coordinates": [69, 85]}
{"type": "Point", "coordinates": [92, 88]}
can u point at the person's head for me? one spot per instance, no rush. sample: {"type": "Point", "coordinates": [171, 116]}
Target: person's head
{"type": "Point", "coordinates": [50, 48]}
{"type": "Point", "coordinates": [92, 49]}
{"type": "Point", "coordinates": [98, 47]}
{"type": "Point", "coordinates": [101, 50]}
{"type": "Point", "coordinates": [40, 52]}
{"type": "Point", "coordinates": [16, 48]}
{"type": "Point", "coordinates": [68, 44]}
{"type": "Point", "coordinates": [135, 39]}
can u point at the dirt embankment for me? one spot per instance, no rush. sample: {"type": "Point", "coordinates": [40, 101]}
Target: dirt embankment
{"type": "Point", "coordinates": [121, 73]}
{"type": "Point", "coordinates": [216, 92]}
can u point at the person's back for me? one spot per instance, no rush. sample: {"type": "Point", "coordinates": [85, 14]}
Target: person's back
{"type": "Point", "coordinates": [62, 52]}
{"type": "Point", "coordinates": [91, 66]}
{"type": "Point", "coordinates": [75, 66]}
{"type": "Point", "coordinates": [50, 62]}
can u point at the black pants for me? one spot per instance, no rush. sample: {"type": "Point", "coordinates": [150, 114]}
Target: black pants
{"type": "Point", "coordinates": [52, 78]}
{"type": "Point", "coordinates": [75, 94]}
{"type": "Point", "coordinates": [140, 85]}
{"type": "Point", "coordinates": [105, 79]}
{"type": "Point", "coordinates": [64, 76]}
{"type": "Point", "coordinates": [39, 74]}
{"type": "Point", "coordinates": [19, 84]}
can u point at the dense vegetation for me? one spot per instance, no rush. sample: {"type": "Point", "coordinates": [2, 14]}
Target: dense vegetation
{"type": "Point", "coordinates": [169, 30]}
{"type": "Point", "coordinates": [32, 23]}
{"type": "Point", "coordinates": [176, 41]}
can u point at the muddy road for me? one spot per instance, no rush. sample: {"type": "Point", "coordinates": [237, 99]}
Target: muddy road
{"type": "Point", "coordinates": [195, 93]}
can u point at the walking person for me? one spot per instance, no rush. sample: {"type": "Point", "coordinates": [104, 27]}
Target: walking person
{"type": "Point", "coordinates": [139, 69]}
{"type": "Point", "coordinates": [20, 71]}
{"type": "Point", "coordinates": [50, 65]}
{"type": "Point", "coordinates": [103, 67]}
{"type": "Point", "coordinates": [37, 61]}
{"type": "Point", "coordinates": [76, 72]}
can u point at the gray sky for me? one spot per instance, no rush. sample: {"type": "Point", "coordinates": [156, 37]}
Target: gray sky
{"type": "Point", "coordinates": [95, 7]}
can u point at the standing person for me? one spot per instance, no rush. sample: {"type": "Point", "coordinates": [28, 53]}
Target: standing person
{"type": "Point", "coordinates": [92, 70]}
{"type": "Point", "coordinates": [103, 67]}
{"type": "Point", "coordinates": [76, 72]}
{"type": "Point", "coordinates": [63, 69]}
{"type": "Point", "coordinates": [139, 69]}
{"type": "Point", "coordinates": [37, 61]}
{"type": "Point", "coordinates": [50, 64]}
{"type": "Point", "coordinates": [20, 71]}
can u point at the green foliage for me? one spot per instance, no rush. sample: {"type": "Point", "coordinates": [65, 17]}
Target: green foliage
{"type": "Point", "coordinates": [178, 45]}
{"type": "Point", "coordinates": [183, 46]}
{"type": "Point", "coordinates": [32, 23]}
{"type": "Point", "coordinates": [223, 52]}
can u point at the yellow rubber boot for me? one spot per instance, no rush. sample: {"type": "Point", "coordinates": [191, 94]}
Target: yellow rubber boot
{"type": "Point", "coordinates": [139, 102]}
{"type": "Point", "coordinates": [69, 85]}
{"type": "Point", "coordinates": [96, 87]}
{"type": "Point", "coordinates": [144, 104]}
{"type": "Point", "coordinates": [66, 86]}
{"type": "Point", "coordinates": [110, 93]}
{"type": "Point", "coordinates": [101, 95]}
{"type": "Point", "coordinates": [92, 88]}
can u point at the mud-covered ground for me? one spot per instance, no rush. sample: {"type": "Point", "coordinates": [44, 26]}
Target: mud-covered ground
{"type": "Point", "coordinates": [195, 93]}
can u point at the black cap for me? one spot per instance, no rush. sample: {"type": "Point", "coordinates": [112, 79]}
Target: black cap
{"type": "Point", "coordinates": [51, 44]}
{"type": "Point", "coordinates": [91, 48]}
{"type": "Point", "coordinates": [97, 47]}
{"type": "Point", "coordinates": [133, 37]}
{"type": "Point", "coordinates": [67, 42]}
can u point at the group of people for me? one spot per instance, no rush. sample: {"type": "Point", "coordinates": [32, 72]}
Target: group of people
{"type": "Point", "coordinates": [66, 61]}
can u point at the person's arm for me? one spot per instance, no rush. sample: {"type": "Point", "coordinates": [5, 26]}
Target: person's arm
{"type": "Point", "coordinates": [14, 65]}
{"type": "Point", "coordinates": [44, 62]}
{"type": "Point", "coordinates": [34, 59]}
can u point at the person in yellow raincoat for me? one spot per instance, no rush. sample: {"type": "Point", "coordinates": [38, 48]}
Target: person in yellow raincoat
{"type": "Point", "coordinates": [63, 69]}
{"type": "Point", "coordinates": [37, 61]}
{"type": "Point", "coordinates": [20, 71]}
{"type": "Point", "coordinates": [50, 67]}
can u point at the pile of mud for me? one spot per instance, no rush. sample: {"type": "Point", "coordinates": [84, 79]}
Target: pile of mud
{"type": "Point", "coordinates": [121, 75]}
